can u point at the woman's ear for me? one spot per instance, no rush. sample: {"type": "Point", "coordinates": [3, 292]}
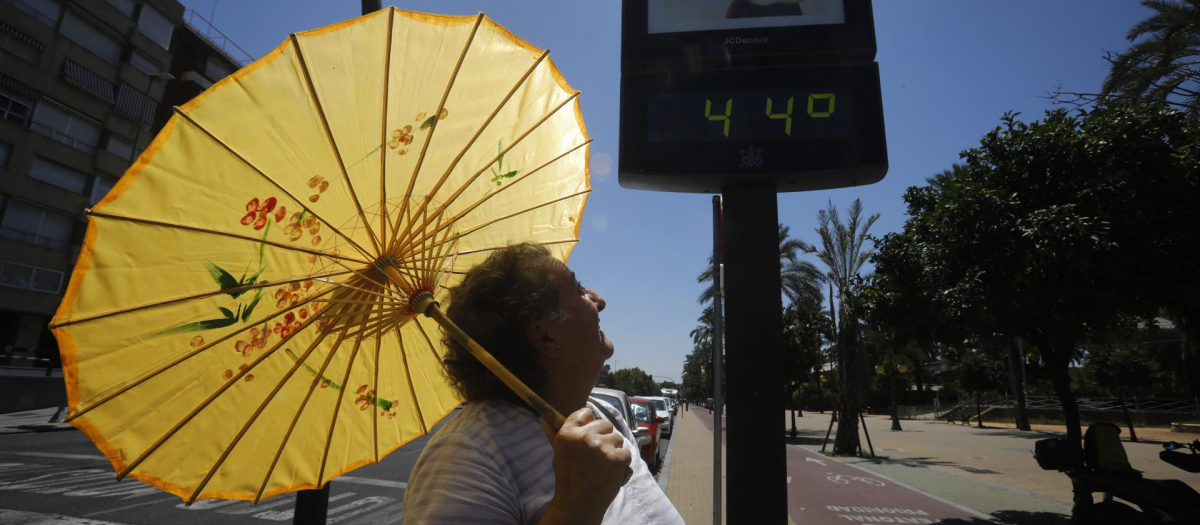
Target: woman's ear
{"type": "Point", "coordinates": [540, 339]}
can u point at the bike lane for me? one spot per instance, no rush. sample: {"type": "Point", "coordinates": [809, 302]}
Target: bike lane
{"type": "Point", "coordinates": [832, 492]}
{"type": "Point", "coordinates": [824, 491]}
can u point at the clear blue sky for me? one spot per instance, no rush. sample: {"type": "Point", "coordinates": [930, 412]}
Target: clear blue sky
{"type": "Point", "coordinates": [949, 68]}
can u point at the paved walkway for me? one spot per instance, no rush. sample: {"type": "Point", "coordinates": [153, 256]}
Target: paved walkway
{"type": "Point", "coordinates": [997, 456]}
{"type": "Point", "coordinates": [31, 421]}
{"type": "Point", "coordinates": [690, 484]}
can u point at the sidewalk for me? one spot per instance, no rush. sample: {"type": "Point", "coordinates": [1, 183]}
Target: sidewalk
{"type": "Point", "coordinates": [690, 484]}
{"type": "Point", "coordinates": [1148, 434]}
{"type": "Point", "coordinates": [31, 421]}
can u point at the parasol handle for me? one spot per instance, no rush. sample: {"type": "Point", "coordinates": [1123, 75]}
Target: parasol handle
{"type": "Point", "coordinates": [425, 304]}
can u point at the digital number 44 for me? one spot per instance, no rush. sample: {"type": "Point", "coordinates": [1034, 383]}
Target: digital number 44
{"type": "Point", "coordinates": [727, 117]}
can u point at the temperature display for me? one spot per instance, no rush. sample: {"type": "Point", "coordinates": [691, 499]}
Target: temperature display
{"type": "Point", "coordinates": [812, 113]}
{"type": "Point", "coordinates": [795, 128]}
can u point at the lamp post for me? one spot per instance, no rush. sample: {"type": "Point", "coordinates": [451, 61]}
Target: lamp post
{"type": "Point", "coordinates": [792, 403]}
{"type": "Point", "coordinates": [832, 410]}
{"type": "Point", "coordinates": [673, 381]}
{"type": "Point", "coordinates": [879, 369]}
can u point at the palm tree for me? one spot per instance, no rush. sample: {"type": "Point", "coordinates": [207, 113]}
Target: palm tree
{"type": "Point", "coordinates": [702, 334]}
{"type": "Point", "coordinates": [1162, 66]}
{"type": "Point", "coordinates": [843, 253]}
{"type": "Point", "coordinates": [801, 279]}
{"type": "Point", "coordinates": [942, 181]}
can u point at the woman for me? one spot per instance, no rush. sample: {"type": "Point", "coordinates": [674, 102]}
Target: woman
{"type": "Point", "coordinates": [496, 461]}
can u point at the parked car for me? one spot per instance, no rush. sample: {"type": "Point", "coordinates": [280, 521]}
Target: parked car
{"type": "Point", "coordinates": [652, 451]}
{"type": "Point", "coordinates": [663, 409]}
{"type": "Point", "coordinates": [618, 399]}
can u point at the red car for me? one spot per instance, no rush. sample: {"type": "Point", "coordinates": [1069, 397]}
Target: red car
{"type": "Point", "coordinates": [644, 414]}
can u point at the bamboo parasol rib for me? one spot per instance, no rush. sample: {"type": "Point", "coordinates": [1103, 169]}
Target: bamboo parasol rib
{"type": "Point", "coordinates": [337, 154]}
{"type": "Point", "coordinates": [441, 106]}
{"type": "Point", "coordinates": [222, 143]}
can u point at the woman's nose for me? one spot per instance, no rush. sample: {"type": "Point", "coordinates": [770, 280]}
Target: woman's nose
{"type": "Point", "coordinates": [598, 299]}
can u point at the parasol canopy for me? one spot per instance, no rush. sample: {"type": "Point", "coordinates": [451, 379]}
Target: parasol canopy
{"type": "Point", "coordinates": [241, 322]}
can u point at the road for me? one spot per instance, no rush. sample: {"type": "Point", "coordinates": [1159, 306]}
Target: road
{"type": "Point", "coordinates": [61, 473]}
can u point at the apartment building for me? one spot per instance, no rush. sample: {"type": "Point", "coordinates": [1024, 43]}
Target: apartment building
{"type": "Point", "coordinates": [84, 86]}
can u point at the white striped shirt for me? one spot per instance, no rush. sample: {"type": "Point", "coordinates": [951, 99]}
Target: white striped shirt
{"type": "Point", "coordinates": [492, 464]}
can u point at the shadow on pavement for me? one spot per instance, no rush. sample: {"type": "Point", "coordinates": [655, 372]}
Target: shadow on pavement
{"type": "Point", "coordinates": [925, 462]}
{"type": "Point", "coordinates": [1015, 517]}
{"type": "Point", "coordinates": [1040, 434]}
{"type": "Point", "coordinates": [807, 438]}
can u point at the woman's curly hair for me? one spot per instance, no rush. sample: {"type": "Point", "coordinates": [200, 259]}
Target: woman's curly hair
{"type": "Point", "coordinates": [494, 304]}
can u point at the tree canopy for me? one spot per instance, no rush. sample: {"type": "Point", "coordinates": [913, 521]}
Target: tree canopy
{"type": "Point", "coordinates": [635, 382]}
{"type": "Point", "coordinates": [1053, 230]}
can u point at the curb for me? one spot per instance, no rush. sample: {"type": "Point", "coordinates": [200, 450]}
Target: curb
{"type": "Point", "coordinates": [38, 427]}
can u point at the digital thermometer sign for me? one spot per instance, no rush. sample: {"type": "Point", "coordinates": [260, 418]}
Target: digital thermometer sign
{"type": "Point", "coordinates": [740, 115]}
{"type": "Point", "coordinates": [802, 128]}
{"type": "Point", "coordinates": [719, 93]}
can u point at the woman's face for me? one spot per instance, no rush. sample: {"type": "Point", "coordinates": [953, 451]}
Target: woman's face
{"type": "Point", "coordinates": [579, 336]}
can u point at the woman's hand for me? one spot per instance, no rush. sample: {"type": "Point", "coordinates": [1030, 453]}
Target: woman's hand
{"type": "Point", "coordinates": [590, 466]}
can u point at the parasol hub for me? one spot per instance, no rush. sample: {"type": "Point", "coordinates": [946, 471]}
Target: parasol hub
{"type": "Point", "coordinates": [422, 302]}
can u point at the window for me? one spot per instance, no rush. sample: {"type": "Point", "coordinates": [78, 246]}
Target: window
{"type": "Point", "coordinates": [45, 11]}
{"type": "Point", "coordinates": [34, 224]}
{"type": "Point", "coordinates": [145, 64]}
{"type": "Point", "coordinates": [215, 70]}
{"type": "Point", "coordinates": [66, 125]}
{"type": "Point", "coordinates": [5, 149]}
{"type": "Point", "coordinates": [126, 7]}
{"type": "Point", "coordinates": [31, 278]}
{"type": "Point", "coordinates": [642, 412]}
{"type": "Point", "coordinates": [100, 187]}
{"type": "Point", "coordinates": [19, 44]}
{"type": "Point", "coordinates": [14, 107]}
{"type": "Point", "coordinates": [156, 26]}
{"type": "Point", "coordinates": [54, 173]}
{"type": "Point", "coordinates": [120, 146]}
{"type": "Point", "coordinates": [101, 41]}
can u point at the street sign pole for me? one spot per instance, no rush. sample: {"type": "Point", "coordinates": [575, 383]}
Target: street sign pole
{"type": "Point", "coordinates": [749, 103]}
{"type": "Point", "coordinates": [717, 355]}
{"type": "Point", "coordinates": [755, 433]}
{"type": "Point", "coordinates": [311, 506]}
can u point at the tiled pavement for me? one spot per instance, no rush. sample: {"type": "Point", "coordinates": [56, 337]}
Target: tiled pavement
{"type": "Point", "coordinates": [690, 486]}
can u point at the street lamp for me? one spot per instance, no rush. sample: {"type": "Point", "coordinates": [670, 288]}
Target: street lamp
{"type": "Point", "coordinates": [792, 404]}
{"type": "Point", "coordinates": [879, 369]}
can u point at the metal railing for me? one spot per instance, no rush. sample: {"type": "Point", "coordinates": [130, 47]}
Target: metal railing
{"type": "Point", "coordinates": [214, 35]}
{"type": "Point", "coordinates": [1132, 404]}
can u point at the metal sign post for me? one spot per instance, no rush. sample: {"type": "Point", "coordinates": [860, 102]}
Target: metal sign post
{"type": "Point", "coordinates": [748, 101]}
{"type": "Point", "coordinates": [718, 354]}
{"type": "Point", "coordinates": [757, 459]}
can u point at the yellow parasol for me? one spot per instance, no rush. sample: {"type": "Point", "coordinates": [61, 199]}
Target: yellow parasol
{"type": "Point", "coordinates": [242, 321]}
